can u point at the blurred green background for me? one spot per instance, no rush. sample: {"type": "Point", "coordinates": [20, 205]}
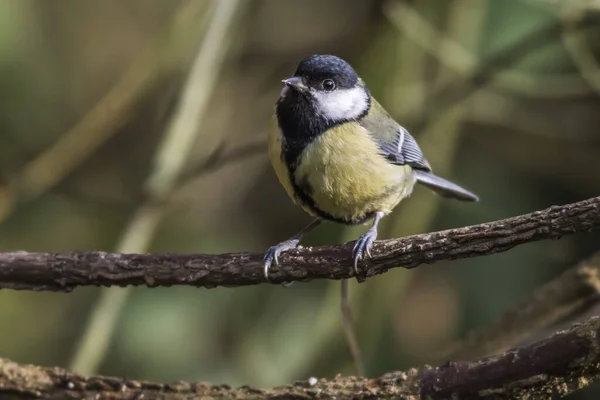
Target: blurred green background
{"type": "Point", "coordinates": [72, 174]}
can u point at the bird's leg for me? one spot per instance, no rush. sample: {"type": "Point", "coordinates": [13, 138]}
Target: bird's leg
{"type": "Point", "coordinates": [273, 253]}
{"type": "Point", "coordinates": [365, 241]}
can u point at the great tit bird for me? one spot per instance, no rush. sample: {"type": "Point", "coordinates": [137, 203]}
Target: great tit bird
{"type": "Point", "coordinates": [341, 156]}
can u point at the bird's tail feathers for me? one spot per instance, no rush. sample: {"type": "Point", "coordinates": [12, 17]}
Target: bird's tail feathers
{"type": "Point", "coordinates": [443, 187]}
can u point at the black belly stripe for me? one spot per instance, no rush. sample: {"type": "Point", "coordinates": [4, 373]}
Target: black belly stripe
{"type": "Point", "coordinates": [304, 191]}
{"type": "Point", "coordinates": [309, 202]}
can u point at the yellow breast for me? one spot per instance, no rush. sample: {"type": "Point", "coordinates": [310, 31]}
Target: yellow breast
{"type": "Point", "coordinates": [343, 175]}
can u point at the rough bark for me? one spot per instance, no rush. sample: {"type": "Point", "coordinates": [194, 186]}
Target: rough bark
{"type": "Point", "coordinates": [63, 272]}
{"type": "Point", "coordinates": [559, 365]}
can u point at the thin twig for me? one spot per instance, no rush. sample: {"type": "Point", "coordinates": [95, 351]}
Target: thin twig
{"type": "Point", "coordinates": [65, 271]}
{"type": "Point", "coordinates": [562, 364]}
{"type": "Point", "coordinates": [575, 289]}
{"type": "Point", "coordinates": [220, 158]}
{"type": "Point", "coordinates": [349, 332]}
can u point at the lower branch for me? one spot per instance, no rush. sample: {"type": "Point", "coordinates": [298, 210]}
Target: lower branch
{"type": "Point", "coordinates": [559, 365]}
{"type": "Point", "coordinates": [63, 272]}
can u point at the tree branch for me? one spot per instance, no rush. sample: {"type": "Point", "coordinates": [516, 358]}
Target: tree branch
{"type": "Point", "coordinates": [222, 157]}
{"type": "Point", "coordinates": [65, 271]}
{"type": "Point", "coordinates": [559, 365]}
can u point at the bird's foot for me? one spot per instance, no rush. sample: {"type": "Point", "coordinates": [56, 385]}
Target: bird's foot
{"type": "Point", "coordinates": [272, 255]}
{"type": "Point", "coordinates": [363, 247]}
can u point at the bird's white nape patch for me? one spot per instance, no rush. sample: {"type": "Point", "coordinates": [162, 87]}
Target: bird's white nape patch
{"type": "Point", "coordinates": [342, 104]}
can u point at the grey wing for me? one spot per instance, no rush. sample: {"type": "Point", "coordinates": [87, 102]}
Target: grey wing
{"type": "Point", "coordinates": [404, 150]}
{"type": "Point", "coordinates": [399, 147]}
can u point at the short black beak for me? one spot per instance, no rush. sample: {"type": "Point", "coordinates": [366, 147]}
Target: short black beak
{"type": "Point", "coordinates": [295, 82]}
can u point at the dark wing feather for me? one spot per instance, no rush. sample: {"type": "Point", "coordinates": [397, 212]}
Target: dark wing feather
{"type": "Point", "coordinates": [395, 143]}
{"type": "Point", "coordinates": [412, 152]}
{"type": "Point", "coordinates": [404, 150]}
{"type": "Point", "coordinates": [399, 147]}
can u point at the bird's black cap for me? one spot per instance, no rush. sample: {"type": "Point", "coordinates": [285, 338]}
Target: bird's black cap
{"type": "Point", "coordinates": [319, 67]}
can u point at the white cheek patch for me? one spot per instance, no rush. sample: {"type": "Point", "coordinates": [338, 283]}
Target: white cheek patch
{"type": "Point", "coordinates": [342, 103]}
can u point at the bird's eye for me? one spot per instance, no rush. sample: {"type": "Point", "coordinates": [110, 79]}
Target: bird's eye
{"type": "Point", "coordinates": [328, 85]}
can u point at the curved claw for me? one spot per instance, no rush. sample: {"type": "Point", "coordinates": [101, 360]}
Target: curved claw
{"type": "Point", "coordinates": [272, 255]}
{"type": "Point", "coordinates": [357, 254]}
{"type": "Point", "coordinates": [363, 245]}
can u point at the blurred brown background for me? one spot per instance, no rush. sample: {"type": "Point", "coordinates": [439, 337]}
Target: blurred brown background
{"type": "Point", "coordinates": [72, 174]}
